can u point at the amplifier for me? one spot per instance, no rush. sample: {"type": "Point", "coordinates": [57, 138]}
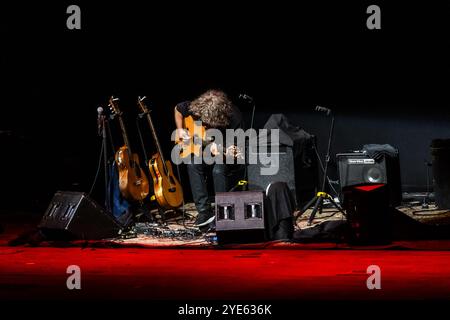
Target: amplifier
{"type": "Point", "coordinates": [358, 168]}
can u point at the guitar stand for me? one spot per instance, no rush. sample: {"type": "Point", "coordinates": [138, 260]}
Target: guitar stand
{"type": "Point", "coordinates": [162, 214]}
{"type": "Point", "coordinates": [141, 210]}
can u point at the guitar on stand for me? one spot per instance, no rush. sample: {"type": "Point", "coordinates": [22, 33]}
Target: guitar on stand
{"type": "Point", "coordinates": [133, 182]}
{"type": "Point", "coordinates": [168, 191]}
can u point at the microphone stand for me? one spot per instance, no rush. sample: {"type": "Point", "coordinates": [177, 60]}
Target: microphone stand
{"type": "Point", "coordinates": [244, 182]}
{"type": "Point", "coordinates": [319, 198]}
{"type": "Point", "coordinates": [102, 123]}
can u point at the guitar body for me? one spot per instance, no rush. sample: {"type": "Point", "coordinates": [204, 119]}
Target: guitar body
{"type": "Point", "coordinates": [133, 182]}
{"type": "Point", "coordinates": [194, 145]}
{"type": "Point", "coordinates": [168, 191]}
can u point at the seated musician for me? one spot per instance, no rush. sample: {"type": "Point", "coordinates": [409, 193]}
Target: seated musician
{"type": "Point", "coordinates": [216, 111]}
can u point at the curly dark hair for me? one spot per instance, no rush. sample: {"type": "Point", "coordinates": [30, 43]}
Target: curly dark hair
{"type": "Point", "coordinates": [213, 108]}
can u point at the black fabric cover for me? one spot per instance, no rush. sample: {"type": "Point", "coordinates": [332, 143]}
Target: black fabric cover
{"type": "Point", "coordinates": [378, 151]}
{"type": "Point", "coordinates": [280, 207]}
{"type": "Point", "coordinates": [290, 135]}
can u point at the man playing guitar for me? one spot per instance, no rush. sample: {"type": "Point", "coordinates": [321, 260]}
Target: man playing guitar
{"type": "Point", "coordinates": [215, 110]}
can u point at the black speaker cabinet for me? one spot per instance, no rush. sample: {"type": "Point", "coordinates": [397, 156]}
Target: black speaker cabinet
{"type": "Point", "coordinates": [286, 172]}
{"type": "Point", "coordinates": [358, 168]}
{"type": "Point", "coordinates": [301, 178]}
{"type": "Point", "coordinates": [240, 217]}
{"type": "Point", "coordinates": [368, 213]}
{"type": "Point", "coordinates": [75, 215]}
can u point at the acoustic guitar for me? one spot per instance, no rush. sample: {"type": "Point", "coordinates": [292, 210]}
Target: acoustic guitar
{"type": "Point", "coordinates": [133, 182]}
{"type": "Point", "coordinates": [168, 191]}
{"type": "Point", "coordinates": [198, 139]}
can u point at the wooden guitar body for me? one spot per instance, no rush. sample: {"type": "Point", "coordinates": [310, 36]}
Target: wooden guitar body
{"type": "Point", "coordinates": [133, 182]}
{"type": "Point", "coordinates": [168, 191]}
{"type": "Point", "coordinates": [194, 145]}
{"type": "Point", "coordinates": [198, 138]}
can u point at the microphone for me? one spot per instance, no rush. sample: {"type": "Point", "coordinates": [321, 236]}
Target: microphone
{"type": "Point", "coordinates": [99, 120]}
{"type": "Point", "coordinates": [245, 97]}
{"type": "Point", "coordinates": [323, 109]}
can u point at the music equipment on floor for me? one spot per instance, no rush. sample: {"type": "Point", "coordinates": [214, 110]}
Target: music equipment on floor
{"type": "Point", "coordinates": [358, 168]}
{"type": "Point", "coordinates": [158, 230]}
{"type": "Point", "coordinates": [198, 139]}
{"type": "Point", "coordinates": [167, 189]}
{"type": "Point", "coordinates": [440, 155]}
{"type": "Point", "coordinates": [75, 215]}
{"type": "Point", "coordinates": [369, 213]}
{"type": "Point", "coordinates": [133, 182]}
{"type": "Point", "coordinates": [240, 217]}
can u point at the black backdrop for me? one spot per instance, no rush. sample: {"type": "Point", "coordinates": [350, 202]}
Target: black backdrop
{"type": "Point", "coordinates": [385, 86]}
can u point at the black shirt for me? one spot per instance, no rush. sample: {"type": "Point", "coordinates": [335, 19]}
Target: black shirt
{"type": "Point", "coordinates": [236, 121]}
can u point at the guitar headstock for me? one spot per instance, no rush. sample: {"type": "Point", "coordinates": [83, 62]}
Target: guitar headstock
{"type": "Point", "coordinates": [114, 106]}
{"type": "Point", "coordinates": [142, 105]}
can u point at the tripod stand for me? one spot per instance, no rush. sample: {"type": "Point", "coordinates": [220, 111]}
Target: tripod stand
{"type": "Point", "coordinates": [321, 196]}
{"type": "Point", "coordinates": [243, 183]}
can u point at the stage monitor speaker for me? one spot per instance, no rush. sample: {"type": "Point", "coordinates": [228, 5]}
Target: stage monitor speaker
{"type": "Point", "coordinates": [358, 168]}
{"type": "Point", "coordinates": [368, 213]}
{"type": "Point", "coordinates": [75, 215]}
{"type": "Point", "coordinates": [240, 217]}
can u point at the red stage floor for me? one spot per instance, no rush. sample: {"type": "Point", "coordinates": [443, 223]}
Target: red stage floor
{"type": "Point", "coordinates": [419, 270]}
{"type": "Point", "coordinates": [183, 274]}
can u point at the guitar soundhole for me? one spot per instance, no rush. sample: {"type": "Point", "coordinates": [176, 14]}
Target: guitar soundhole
{"type": "Point", "coordinates": [172, 189]}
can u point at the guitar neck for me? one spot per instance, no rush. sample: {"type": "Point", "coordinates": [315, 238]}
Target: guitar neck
{"type": "Point", "coordinates": [155, 138]}
{"type": "Point", "coordinates": [124, 135]}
